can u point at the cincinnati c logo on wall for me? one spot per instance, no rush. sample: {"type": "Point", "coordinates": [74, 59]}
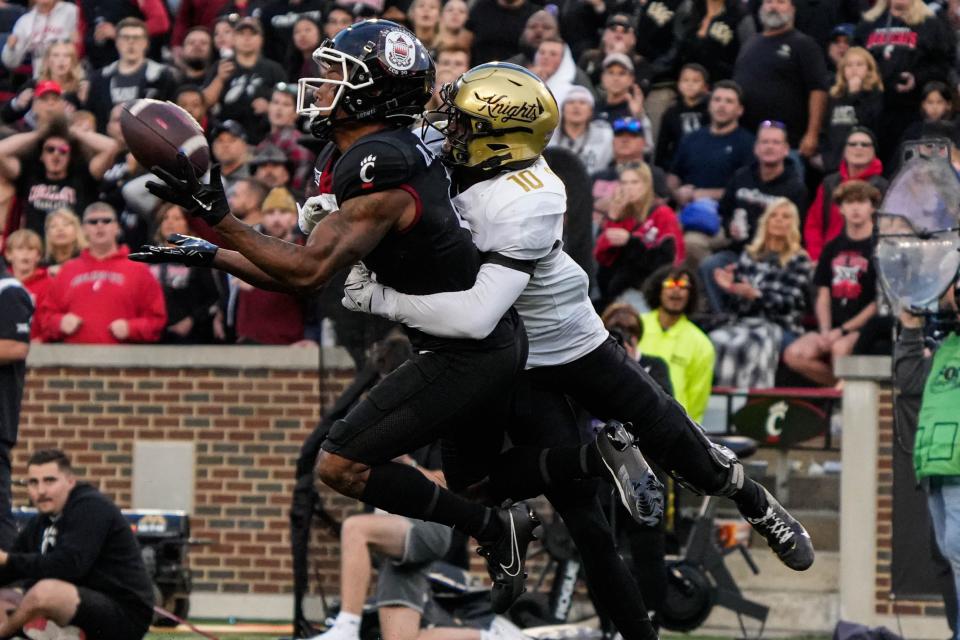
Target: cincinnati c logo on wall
{"type": "Point", "coordinates": [775, 418]}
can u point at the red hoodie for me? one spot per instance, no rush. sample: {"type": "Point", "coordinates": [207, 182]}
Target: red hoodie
{"type": "Point", "coordinates": [37, 284]}
{"type": "Point", "coordinates": [194, 13]}
{"type": "Point", "coordinates": [101, 291]}
{"type": "Point", "coordinates": [660, 224]}
{"type": "Point", "coordinates": [814, 238]}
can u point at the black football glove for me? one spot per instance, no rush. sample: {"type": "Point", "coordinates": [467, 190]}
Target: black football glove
{"type": "Point", "coordinates": [193, 252]}
{"type": "Point", "coordinates": [207, 201]}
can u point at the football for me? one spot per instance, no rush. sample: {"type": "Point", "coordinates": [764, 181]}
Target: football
{"type": "Point", "coordinates": [155, 132]}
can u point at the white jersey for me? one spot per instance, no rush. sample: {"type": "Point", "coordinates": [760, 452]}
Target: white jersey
{"type": "Point", "coordinates": [520, 215]}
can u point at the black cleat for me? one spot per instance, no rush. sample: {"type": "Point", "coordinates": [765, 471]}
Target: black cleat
{"type": "Point", "coordinates": [507, 555]}
{"type": "Point", "coordinates": [785, 535]}
{"type": "Point", "coordinates": [641, 492]}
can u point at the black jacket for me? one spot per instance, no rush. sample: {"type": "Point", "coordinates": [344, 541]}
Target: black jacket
{"type": "Point", "coordinates": [717, 51]}
{"type": "Point", "coordinates": [678, 121]}
{"type": "Point", "coordinates": [580, 24]}
{"type": "Point", "coordinates": [926, 50]}
{"type": "Point", "coordinates": [864, 109]}
{"type": "Point", "coordinates": [157, 82]}
{"type": "Point", "coordinates": [656, 32]}
{"type": "Point", "coordinates": [746, 197]}
{"type": "Point", "coordinates": [92, 546]}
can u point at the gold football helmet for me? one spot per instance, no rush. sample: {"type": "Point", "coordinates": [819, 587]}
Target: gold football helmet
{"type": "Point", "coordinates": [499, 115]}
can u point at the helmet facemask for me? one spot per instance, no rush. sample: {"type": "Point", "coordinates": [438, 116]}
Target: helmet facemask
{"type": "Point", "coordinates": [453, 125]}
{"type": "Point", "coordinates": [461, 132]}
{"type": "Point", "coordinates": [354, 75]}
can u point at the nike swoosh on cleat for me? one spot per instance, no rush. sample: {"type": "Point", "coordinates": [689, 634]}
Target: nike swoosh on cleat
{"type": "Point", "coordinates": [514, 553]}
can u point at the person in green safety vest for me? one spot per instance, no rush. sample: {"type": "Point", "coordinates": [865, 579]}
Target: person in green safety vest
{"type": "Point", "coordinates": [936, 456]}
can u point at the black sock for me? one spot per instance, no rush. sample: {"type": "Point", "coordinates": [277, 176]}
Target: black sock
{"type": "Point", "coordinates": [520, 473]}
{"type": "Point", "coordinates": [751, 499]}
{"type": "Point", "coordinates": [575, 463]}
{"type": "Point", "coordinates": [404, 491]}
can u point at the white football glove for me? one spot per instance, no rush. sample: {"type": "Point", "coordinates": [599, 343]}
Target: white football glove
{"type": "Point", "coordinates": [359, 290]}
{"type": "Point", "coordinates": [314, 210]}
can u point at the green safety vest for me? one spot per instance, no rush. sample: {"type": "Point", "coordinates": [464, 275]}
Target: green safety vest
{"type": "Point", "coordinates": [937, 448]}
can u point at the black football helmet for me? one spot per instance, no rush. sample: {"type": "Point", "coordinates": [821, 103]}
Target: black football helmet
{"type": "Point", "coordinates": [381, 71]}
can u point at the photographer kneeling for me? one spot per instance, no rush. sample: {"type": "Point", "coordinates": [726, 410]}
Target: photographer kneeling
{"type": "Point", "coordinates": [78, 559]}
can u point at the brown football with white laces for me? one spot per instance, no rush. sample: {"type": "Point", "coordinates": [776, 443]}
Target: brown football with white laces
{"type": "Point", "coordinates": [156, 131]}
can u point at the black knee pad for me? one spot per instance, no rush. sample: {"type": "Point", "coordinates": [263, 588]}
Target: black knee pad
{"type": "Point", "coordinates": [726, 472]}
{"type": "Point", "coordinates": [727, 460]}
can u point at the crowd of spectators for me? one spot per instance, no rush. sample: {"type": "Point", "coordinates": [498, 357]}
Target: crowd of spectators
{"type": "Point", "coordinates": [735, 151]}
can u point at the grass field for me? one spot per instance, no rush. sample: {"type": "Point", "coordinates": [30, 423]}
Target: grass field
{"type": "Point", "coordinates": [191, 636]}
{"type": "Point", "coordinates": [247, 636]}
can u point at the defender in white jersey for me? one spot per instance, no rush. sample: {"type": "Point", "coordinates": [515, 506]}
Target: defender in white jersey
{"type": "Point", "coordinates": [518, 215]}
{"type": "Point", "coordinates": [542, 418]}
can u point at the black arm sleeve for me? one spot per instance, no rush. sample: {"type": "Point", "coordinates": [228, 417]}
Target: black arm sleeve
{"type": "Point", "coordinates": [372, 166]}
{"type": "Point", "coordinates": [523, 266]}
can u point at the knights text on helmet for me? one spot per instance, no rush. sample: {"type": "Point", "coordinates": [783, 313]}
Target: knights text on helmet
{"type": "Point", "coordinates": [500, 106]}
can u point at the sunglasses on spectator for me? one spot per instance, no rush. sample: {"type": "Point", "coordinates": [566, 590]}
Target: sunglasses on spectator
{"type": "Point", "coordinates": [773, 124]}
{"type": "Point", "coordinates": [627, 125]}
{"type": "Point", "coordinates": [286, 87]}
{"type": "Point", "coordinates": [62, 149]}
{"type": "Point", "coordinates": [96, 221]}
{"type": "Point", "coordinates": [866, 144]}
{"type": "Point", "coordinates": [620, 28]}
{"type": "Point", "coordinates": [683, 282]}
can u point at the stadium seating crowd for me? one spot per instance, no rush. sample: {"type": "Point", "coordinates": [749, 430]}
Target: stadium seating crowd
{"type": "Point", "coordinates": [730, 137]}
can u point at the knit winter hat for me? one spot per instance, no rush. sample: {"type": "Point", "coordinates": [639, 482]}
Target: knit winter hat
{"type": "Point", "coordinates": [279, 198]}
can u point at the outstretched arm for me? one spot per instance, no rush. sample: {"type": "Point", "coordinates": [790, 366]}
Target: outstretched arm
{"type": "Point", "coordinates": [472, 313]}
{"type": "Point", "coordinates": [338, 241]}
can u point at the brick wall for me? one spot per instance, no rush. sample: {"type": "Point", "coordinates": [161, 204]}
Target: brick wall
{"type": "Point", "coordinates": [247, 409]}
{"type": "Point", "coordinates": [884, 603]}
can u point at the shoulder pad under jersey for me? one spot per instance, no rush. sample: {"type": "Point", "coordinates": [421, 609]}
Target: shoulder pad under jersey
{"type": "Point", "coordinates": [517, 214]}
{"type": "Point", "coordinates": [376, 163]}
